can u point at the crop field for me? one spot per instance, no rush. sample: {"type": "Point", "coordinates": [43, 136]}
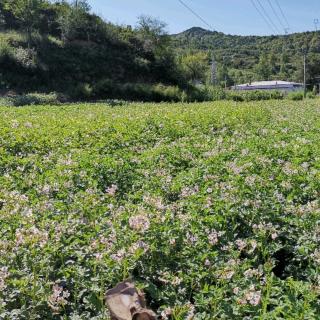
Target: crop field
{"type": "Point", "coordinates": [212, 209]}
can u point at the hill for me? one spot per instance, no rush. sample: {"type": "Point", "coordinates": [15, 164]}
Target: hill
{"type": "Point", "coordinates": [247, 58]}
{"type": "Point", "coordinates": [60, 46]}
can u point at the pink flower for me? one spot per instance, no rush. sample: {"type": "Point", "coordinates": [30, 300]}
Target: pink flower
{"type": "Point", "coordinates": [253, 297]}
{"type": "Point", "coordinates": [241, 244]}
{"type": "Point", "coordinates": [118, 257]}
{"type": "Point", "coordinates": [4, 274]}
{"type": "Point", "coordinates": [274, 236]}
{"type": "Point", "coordinates": [112, 190]}
{"type": "Point", "coordinates": [139, 245]}
{"type": "Point", "coordinates": [226, 274]}
{"type": "Point", "coordinates": [139, 222]}
{"type": "Point", "coordinates": [207, 263]}
{"type": "Point", "coordinates": [213, 238]}
{"type": "Point", "coordinates": [166, 313]}
{"type": "Point", "coordinates": [58, 298]}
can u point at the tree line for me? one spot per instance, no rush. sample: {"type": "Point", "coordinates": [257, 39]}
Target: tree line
{"type": "Point", "coordinates": [241, 59]}
{"type": "Point", "coordinates": [62, 46]}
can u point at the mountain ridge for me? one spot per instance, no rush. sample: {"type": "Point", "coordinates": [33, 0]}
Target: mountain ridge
{"type": "Point", "coordinates": [197, 29]}
{"type": "Point", "coordinates": [241, 59]}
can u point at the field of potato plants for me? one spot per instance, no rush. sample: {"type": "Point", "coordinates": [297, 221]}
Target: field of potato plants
{"type": "Point", "coordinates": [212, 209]}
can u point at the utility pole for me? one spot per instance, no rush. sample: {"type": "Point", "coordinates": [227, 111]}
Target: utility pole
{"type": "Point", "coordinates": [316, 22]}
{"type": "Point", "coordinates": [304, 74]}
{"type": "Point", "coordinates": [213, 71]}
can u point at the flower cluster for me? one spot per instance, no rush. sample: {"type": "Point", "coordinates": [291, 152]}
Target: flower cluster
{"type": "Point", "coordinates": [58, 299]}
{"type": "Point", "coordinates": [212, 209]}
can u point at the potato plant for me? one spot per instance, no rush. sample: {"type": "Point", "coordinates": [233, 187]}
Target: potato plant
{"type": "Point", "coordinates": [212, 209]}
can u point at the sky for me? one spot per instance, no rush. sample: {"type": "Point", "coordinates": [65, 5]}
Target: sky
{"type": "Point", "coordinates": [228, 16]}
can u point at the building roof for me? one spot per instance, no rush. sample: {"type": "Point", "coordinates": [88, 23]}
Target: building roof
{"type": "Point", "coordinates": [273, 83]}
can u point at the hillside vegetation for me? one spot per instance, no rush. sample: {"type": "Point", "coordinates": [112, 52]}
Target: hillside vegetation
{"type": "Point", "coordinates": [247, 58]}
{"type": "Point", "coordinates": [61, 46]}
{"type": "Point", "coordinates": [213, 209]}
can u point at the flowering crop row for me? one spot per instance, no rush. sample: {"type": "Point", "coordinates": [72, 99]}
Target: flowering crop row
{"type": "Point", "coordinates": [212, 209]}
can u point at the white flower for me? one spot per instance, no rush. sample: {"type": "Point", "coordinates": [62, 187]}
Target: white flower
{"type": "Point", "coordinates": [15, 124]}
{"type": "Point", "coordinates": [176, 281]}
{"type": "Point", "coordinates": [191, 312]}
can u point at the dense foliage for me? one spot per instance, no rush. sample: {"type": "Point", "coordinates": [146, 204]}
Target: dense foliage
{"type": "Point", "coordinates": [61, 46]}
{"type": "Point", "coordinates": [242, 59]}
{"type": "Point", "coordinates": [212, 208]}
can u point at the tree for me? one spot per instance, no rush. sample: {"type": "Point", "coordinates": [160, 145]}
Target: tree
{"type": "Point", "coordinates": [284, 71]}
{"type": "Point", "coordinates": [152, 32]}
{"type": "Point", "coordinates": [315, 43]}
{"type": "Point", "coordinates": [223, 76]}
{"type": "Point", "coordinates": [195, 66]}
{"type": "Point", "coordinates": [27, 12]}
{"type": "Point", "coordinates": [74, 20]}
{"type": "Point", "coordinates": [155, 41]}
{"type": "Point", "coordinates": [263, 69]}
{"type": "Point", "coordinates": [313, 69]}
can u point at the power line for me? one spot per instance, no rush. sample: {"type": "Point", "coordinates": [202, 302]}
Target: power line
{"type": "Point", "coordinates": [282, 13]}
{"type": "Point", "coordinates": [263, 17]}
{"type": "Point", "coordinates": [267, 15]}
{"type": "Point", "coordinates": [196, 14]}
{"type": "Point", "coordinates": [277, 16]}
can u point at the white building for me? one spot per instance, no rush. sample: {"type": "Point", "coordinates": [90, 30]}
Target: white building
{"type": "Point", "coordinates": [270, 85]}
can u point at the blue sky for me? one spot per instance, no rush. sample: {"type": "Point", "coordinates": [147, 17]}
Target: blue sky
{"type": "Point", "coordinates": [228, 16]}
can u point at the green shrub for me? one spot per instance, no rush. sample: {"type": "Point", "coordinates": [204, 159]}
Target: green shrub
{"type": "Point", "coordinates": [311, 95]}
{"type": "Point", "coordinates": [217, 94]}
{"type": "Point", "coordinates": [105, 88]}
{"type": "Point", "coordinates": [32, 99]}
{"type": "Point", "coordinates": [25, 57]}
{"type": "Point", "coordinates": [5, 102]}
{"type": "Point", "coordinates": [137, 91]}
{"type": "Point", "coordinates": [295, 96]}
{"type": "Point", "coordinates": [82, 91]}
{"type": "Point", "coordinates": [166, 93]}
{"type": "Point", "coordinates": [236, 96]}
{"type": "Point", "coordinates": [206, 93]}
{"type": "Point", "coordinates": [277, 95]}
{"type": "Point", "coordinates": [256, 95]}
{"type": "Point", "coordinates": [210, 93]}
{"type": "Point", "coordinates": [5, 49]}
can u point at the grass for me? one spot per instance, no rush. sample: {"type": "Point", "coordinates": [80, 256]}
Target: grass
{"type": "Point", "coordinates": [213, 209]}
